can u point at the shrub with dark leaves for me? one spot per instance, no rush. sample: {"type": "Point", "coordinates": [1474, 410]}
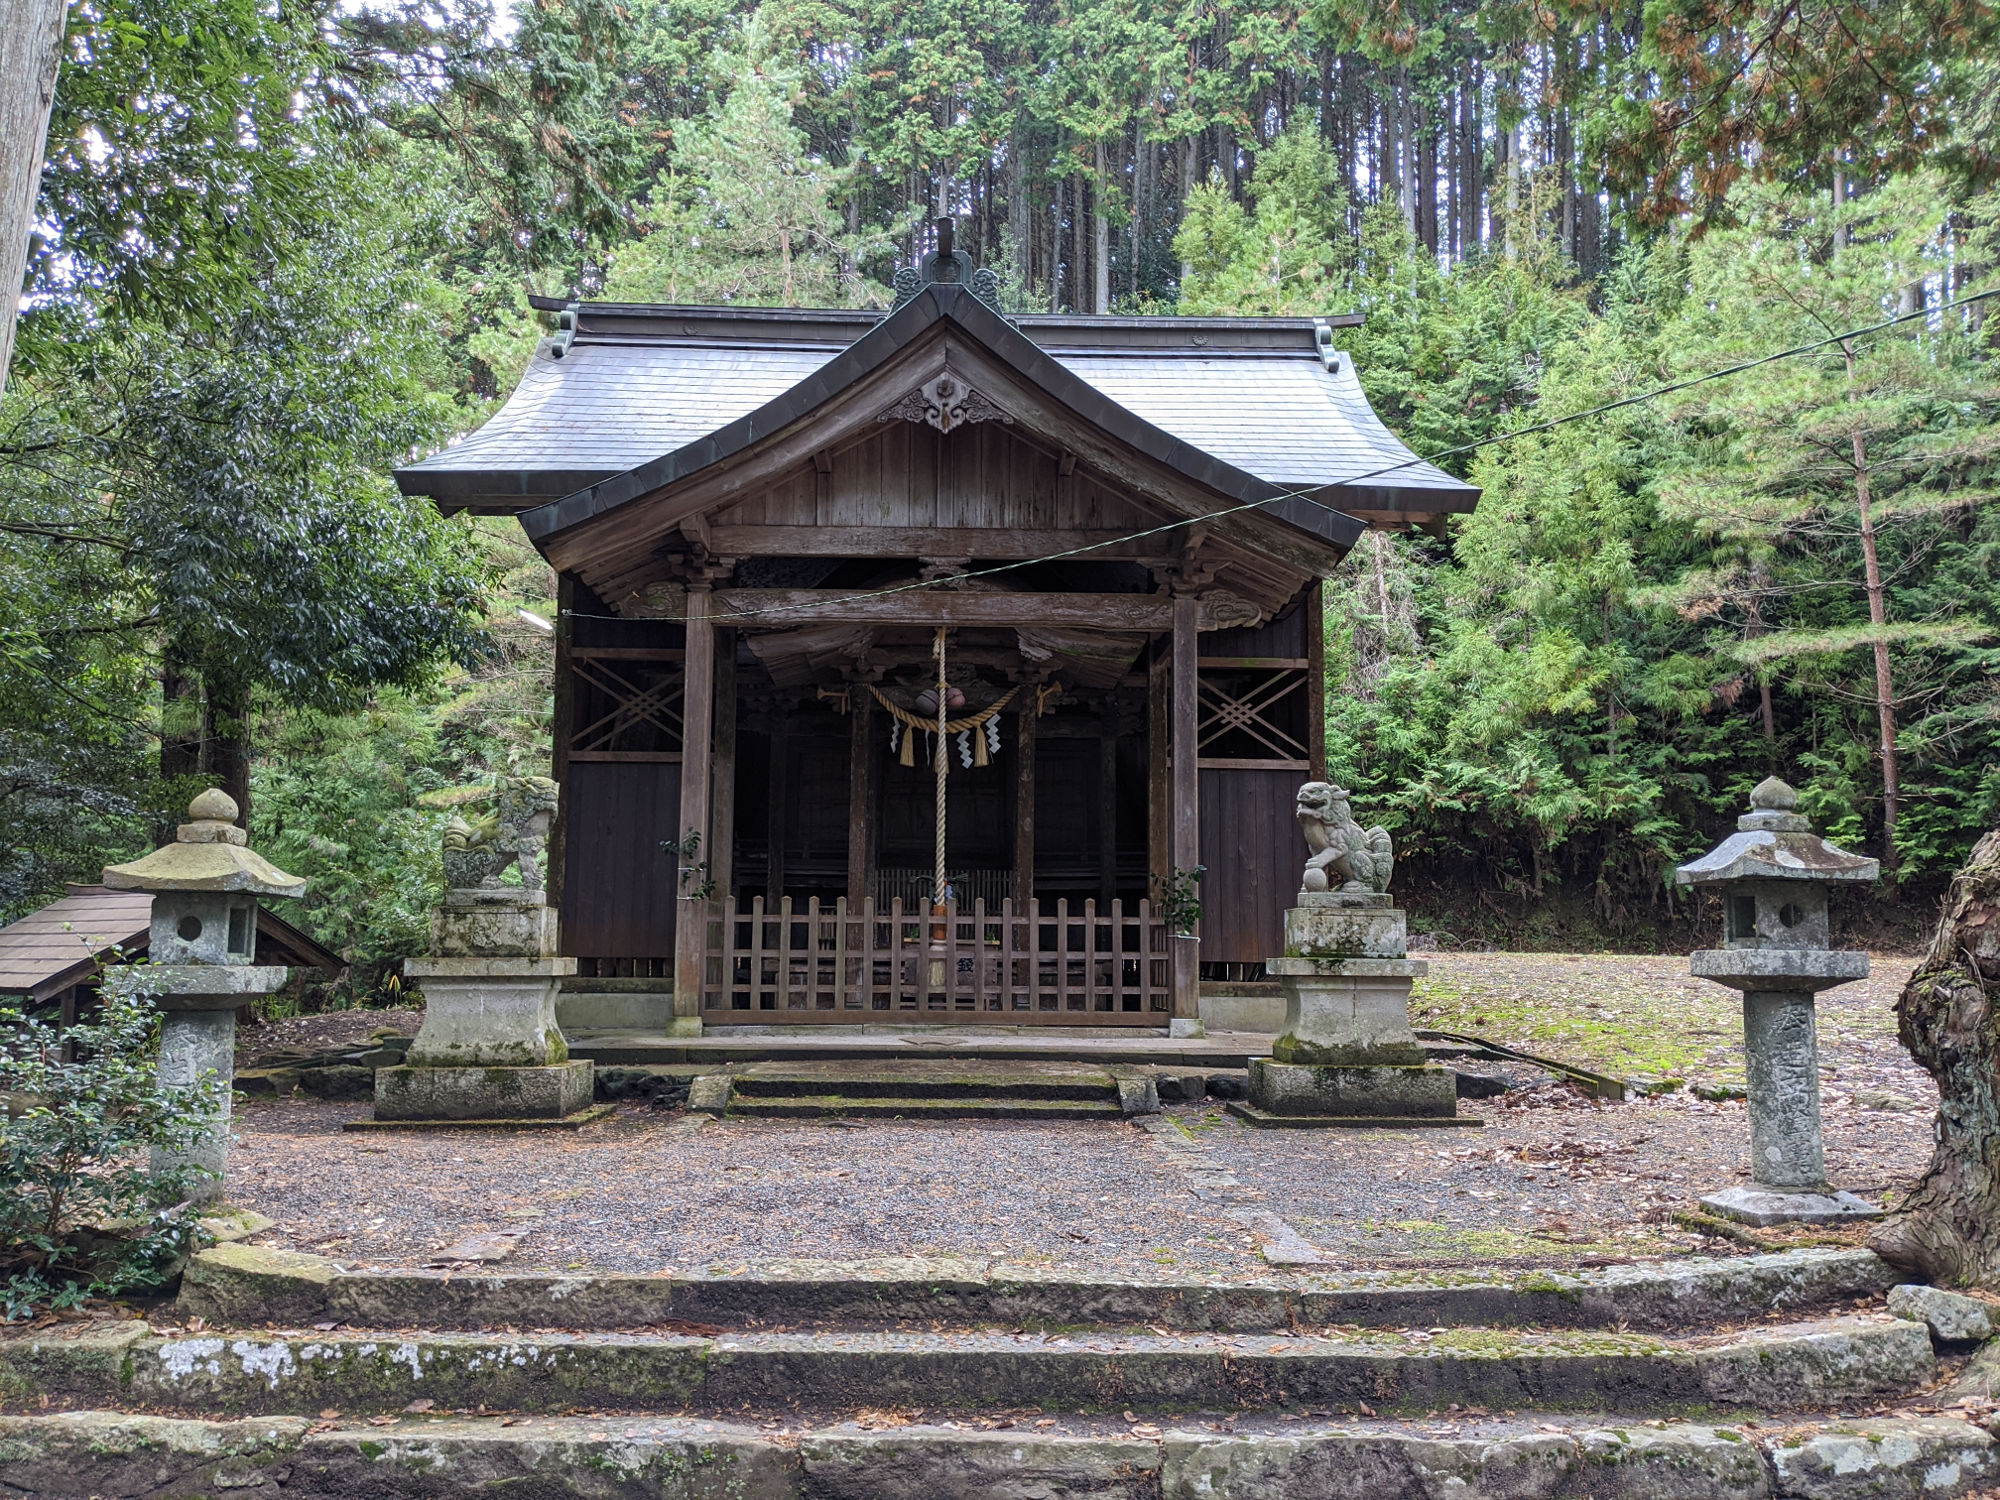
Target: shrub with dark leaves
{"type": "Point", "coordinates": [83, 1207]}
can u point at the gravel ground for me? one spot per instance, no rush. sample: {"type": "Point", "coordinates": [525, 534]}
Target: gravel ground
{"type": "Point", "coordinates": [645, 1192]}
{"type": "Point", "coordinates": [1551, 1178]}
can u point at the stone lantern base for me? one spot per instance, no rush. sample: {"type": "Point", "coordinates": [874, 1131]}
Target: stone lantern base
{"type": "Point", "coordinates": [1762, 1206]}
{"type": "Point", "coordinates": [1348, 1056]}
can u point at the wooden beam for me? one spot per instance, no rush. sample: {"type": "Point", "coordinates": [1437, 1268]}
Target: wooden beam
{"type": "Point", "coordinates": [1159, 785]}
{"type": "Point", "coordinates": [1024, 801]}
{"type": "Point", "coordinates": [697, 725]}
{"type": "Point", "coordinates": [1315, 607]}
{"type": "Point", "coordinates": [1187, 790]}
{"type": "Point", "coordinates": [722, 809]}
{"type": "Point", "coordinates": [860, 780]}
{"type": "Point", "coordinates": [783, 609]}
{"type": "Point", "coordinates": [778, 801]}
{"type": "Point", "coordinates": [988, 543]}
{"type": "Point", "coordinates": [1107, 809]}
{"type": "Point", "coordinates": [561, 722]}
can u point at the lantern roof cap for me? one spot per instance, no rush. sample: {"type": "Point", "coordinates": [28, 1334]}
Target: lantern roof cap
{"type": "Point", "coordinates": [209, 853]}
{"type": "Point", "coordinates": [1772, 842]}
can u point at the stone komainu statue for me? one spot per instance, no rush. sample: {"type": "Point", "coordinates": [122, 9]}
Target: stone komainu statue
{"type": "Point", "coordinates": [1343, 855]}
{"type": "Point", "coordinates": [515, 832]}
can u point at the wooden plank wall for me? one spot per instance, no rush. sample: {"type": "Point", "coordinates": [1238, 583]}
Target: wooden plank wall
{"type": "Point", "coordinates": [1249, 834]}
{"type": "Point", "coordinates": [618, 894]}
{"type": "Point", "coordinates": [907, 474]}
{"type": "Point", "coordinates": [617, 888]}
{"type": "Point", "coordinates": [1254, 854]}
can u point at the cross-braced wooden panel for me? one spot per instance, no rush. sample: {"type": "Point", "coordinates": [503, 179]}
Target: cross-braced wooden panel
{"type": "Point", "coordinates": [1253, 716]}
{"type": "Point", "coordinates": [628, 704]}
{"type": "Point", "coordinates": [832, 963]}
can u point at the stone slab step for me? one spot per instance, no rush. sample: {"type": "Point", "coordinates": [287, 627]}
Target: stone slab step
{"type": "Point", "coordinates": [1774, 1368]}
{"type": "Point", "coordinates": [94, 1453]}
{"type": "Point", "coordinates": [926, 1080]}
{"type": "Point", "coordinates": [246, 1285]}
{"type": "Point", "coordinates": [620, 1048]}
{"type": "Point", "coordinates": [947, 1107]}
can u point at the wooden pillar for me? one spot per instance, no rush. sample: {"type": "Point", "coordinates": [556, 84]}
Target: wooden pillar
{"type": "Point", "coordinates": [778, 799]}
{"type": "Point", "coordinates": [561, 726]}
{"type": "Point", "coordinates": [1107, 808]}
{"type": "Point", "coordinates": [722, 809]}
{"type": "Point", "coordinates": [1159, 782]}
{"type": "Point", "coordinates": [860, 793]}
{"type": "Point", "coordinates": [697, 731]}
{"type": "Point", "coordinates": [1024, 801]}
{"type": "Point", "coordinates": [1315, 610]}
{"type": "Point", "coordinates": [1186, 790]}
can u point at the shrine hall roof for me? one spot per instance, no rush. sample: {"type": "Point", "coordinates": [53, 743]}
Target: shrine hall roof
{"type": "Point", "coordinates": [627, 384]}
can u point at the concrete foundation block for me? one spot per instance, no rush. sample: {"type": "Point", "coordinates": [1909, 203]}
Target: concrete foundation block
{"type": "Point", "coordinates": [1421, 1090]}
{"type": "Point", "coordinates": [537, 1093]}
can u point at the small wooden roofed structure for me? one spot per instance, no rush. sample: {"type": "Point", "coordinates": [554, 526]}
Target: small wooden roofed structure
{"type": "Point", "coordinates": [54, 954]}
{"type": "Point", "coordinates": [763, 521]}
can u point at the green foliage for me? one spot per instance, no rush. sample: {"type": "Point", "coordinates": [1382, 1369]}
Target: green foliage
{"type": "Point", "coordinates": [744, 213]}
{"type": "Point", "coordinates": [1282, 256]}
{"type": "Point", "coordinates": [82, 1207]}
{"type": "Point", "coordinates": [357, 802]}
{"type": "Point", "coordinates": [1574, 692]}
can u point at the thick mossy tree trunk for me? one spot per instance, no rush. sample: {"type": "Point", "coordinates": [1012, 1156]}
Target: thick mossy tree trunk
{"type": "Point", "coordinates": [1948, 1231]}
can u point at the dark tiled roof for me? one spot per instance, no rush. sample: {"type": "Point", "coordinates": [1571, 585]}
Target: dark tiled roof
{"type": "Point", "coordinates": [933, 310]}
{"type": "Point", "coordinates": [49, 950]}
{"type": "Point", "coordinates": [639, 383]}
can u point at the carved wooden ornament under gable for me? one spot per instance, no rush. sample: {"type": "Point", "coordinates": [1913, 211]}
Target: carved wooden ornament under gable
{"type": "Point", "coordinates": [945, 402]}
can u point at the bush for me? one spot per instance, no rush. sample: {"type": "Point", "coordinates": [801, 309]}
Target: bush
{"type": "Point", "coordinates": [82, 1208]}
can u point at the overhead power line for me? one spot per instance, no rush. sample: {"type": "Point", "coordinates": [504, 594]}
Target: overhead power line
{"type": "Point", "coordinates": [1312, 494]}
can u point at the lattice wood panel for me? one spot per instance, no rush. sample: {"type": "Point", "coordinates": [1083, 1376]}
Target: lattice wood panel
{"type": "Point", "coordinates": [1253, 714]}
{"type": "Point", "coordinates": [628, 704]}
{"type": "Point", "coordinates": [829, 963]}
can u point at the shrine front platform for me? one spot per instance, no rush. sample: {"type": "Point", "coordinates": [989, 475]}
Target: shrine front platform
{"type": "Point", "coordinates": [633, 1046]}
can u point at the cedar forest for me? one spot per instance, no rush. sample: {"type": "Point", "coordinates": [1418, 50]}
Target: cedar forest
{"type": "Point", "coordinates": [284, 244]}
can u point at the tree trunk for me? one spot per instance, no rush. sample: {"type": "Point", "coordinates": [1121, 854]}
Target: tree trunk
{"type": "Point", "coordinates": [229, 741]}
{"type": "Point", "coordinates": [1948, 1231]}
{"type": "Point", "coordinates": [31, 33]}
{"type": "Point", "coordinates": [1100, 247]}
{"type": "Point", "coordinates": [1878, 615]}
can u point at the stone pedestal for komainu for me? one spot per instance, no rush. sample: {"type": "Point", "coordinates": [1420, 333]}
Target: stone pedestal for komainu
{"type": "Point", "coordinates": [1773, 874]}
{"type": "Point", "coordinates": [1347, 1056]}
{"type": "Point", "coordinates": [490, 1051]}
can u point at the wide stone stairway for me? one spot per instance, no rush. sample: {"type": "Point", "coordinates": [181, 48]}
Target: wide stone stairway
{"type": "Point", "coordinates": [283, 1374]}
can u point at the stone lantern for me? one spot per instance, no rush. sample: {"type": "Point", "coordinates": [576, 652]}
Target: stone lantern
{"type": "Point", "coordinates": [1773, 874]}
{"type": "Point", "coordinates": [202, 950]}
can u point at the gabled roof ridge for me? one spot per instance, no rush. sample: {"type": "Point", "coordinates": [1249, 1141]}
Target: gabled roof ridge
{"type": "Point", "coordinates": [955, 304]}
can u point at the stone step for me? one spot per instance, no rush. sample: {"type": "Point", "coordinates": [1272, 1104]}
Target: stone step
{"type": "Point", "coordinates": [1768, 1369]}
{"type": "Point", "coordinates": [631, 1047]}
{"type": "Point", "coordinates": [240, 1285]}
{"type": "Point", "coordinates": [93, 1453]}
{"type": "Point", "coordinates": [944, 1107]}
{"type": "Point", "coordinates": [927, 1081]}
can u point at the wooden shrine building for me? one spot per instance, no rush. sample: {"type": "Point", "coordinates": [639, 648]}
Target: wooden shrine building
{"type": "Point", "coordinates": [766, 523]}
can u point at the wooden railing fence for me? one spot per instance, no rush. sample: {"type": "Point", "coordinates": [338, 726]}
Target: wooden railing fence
{"type": "Point", "coordinates": [830, 962]}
